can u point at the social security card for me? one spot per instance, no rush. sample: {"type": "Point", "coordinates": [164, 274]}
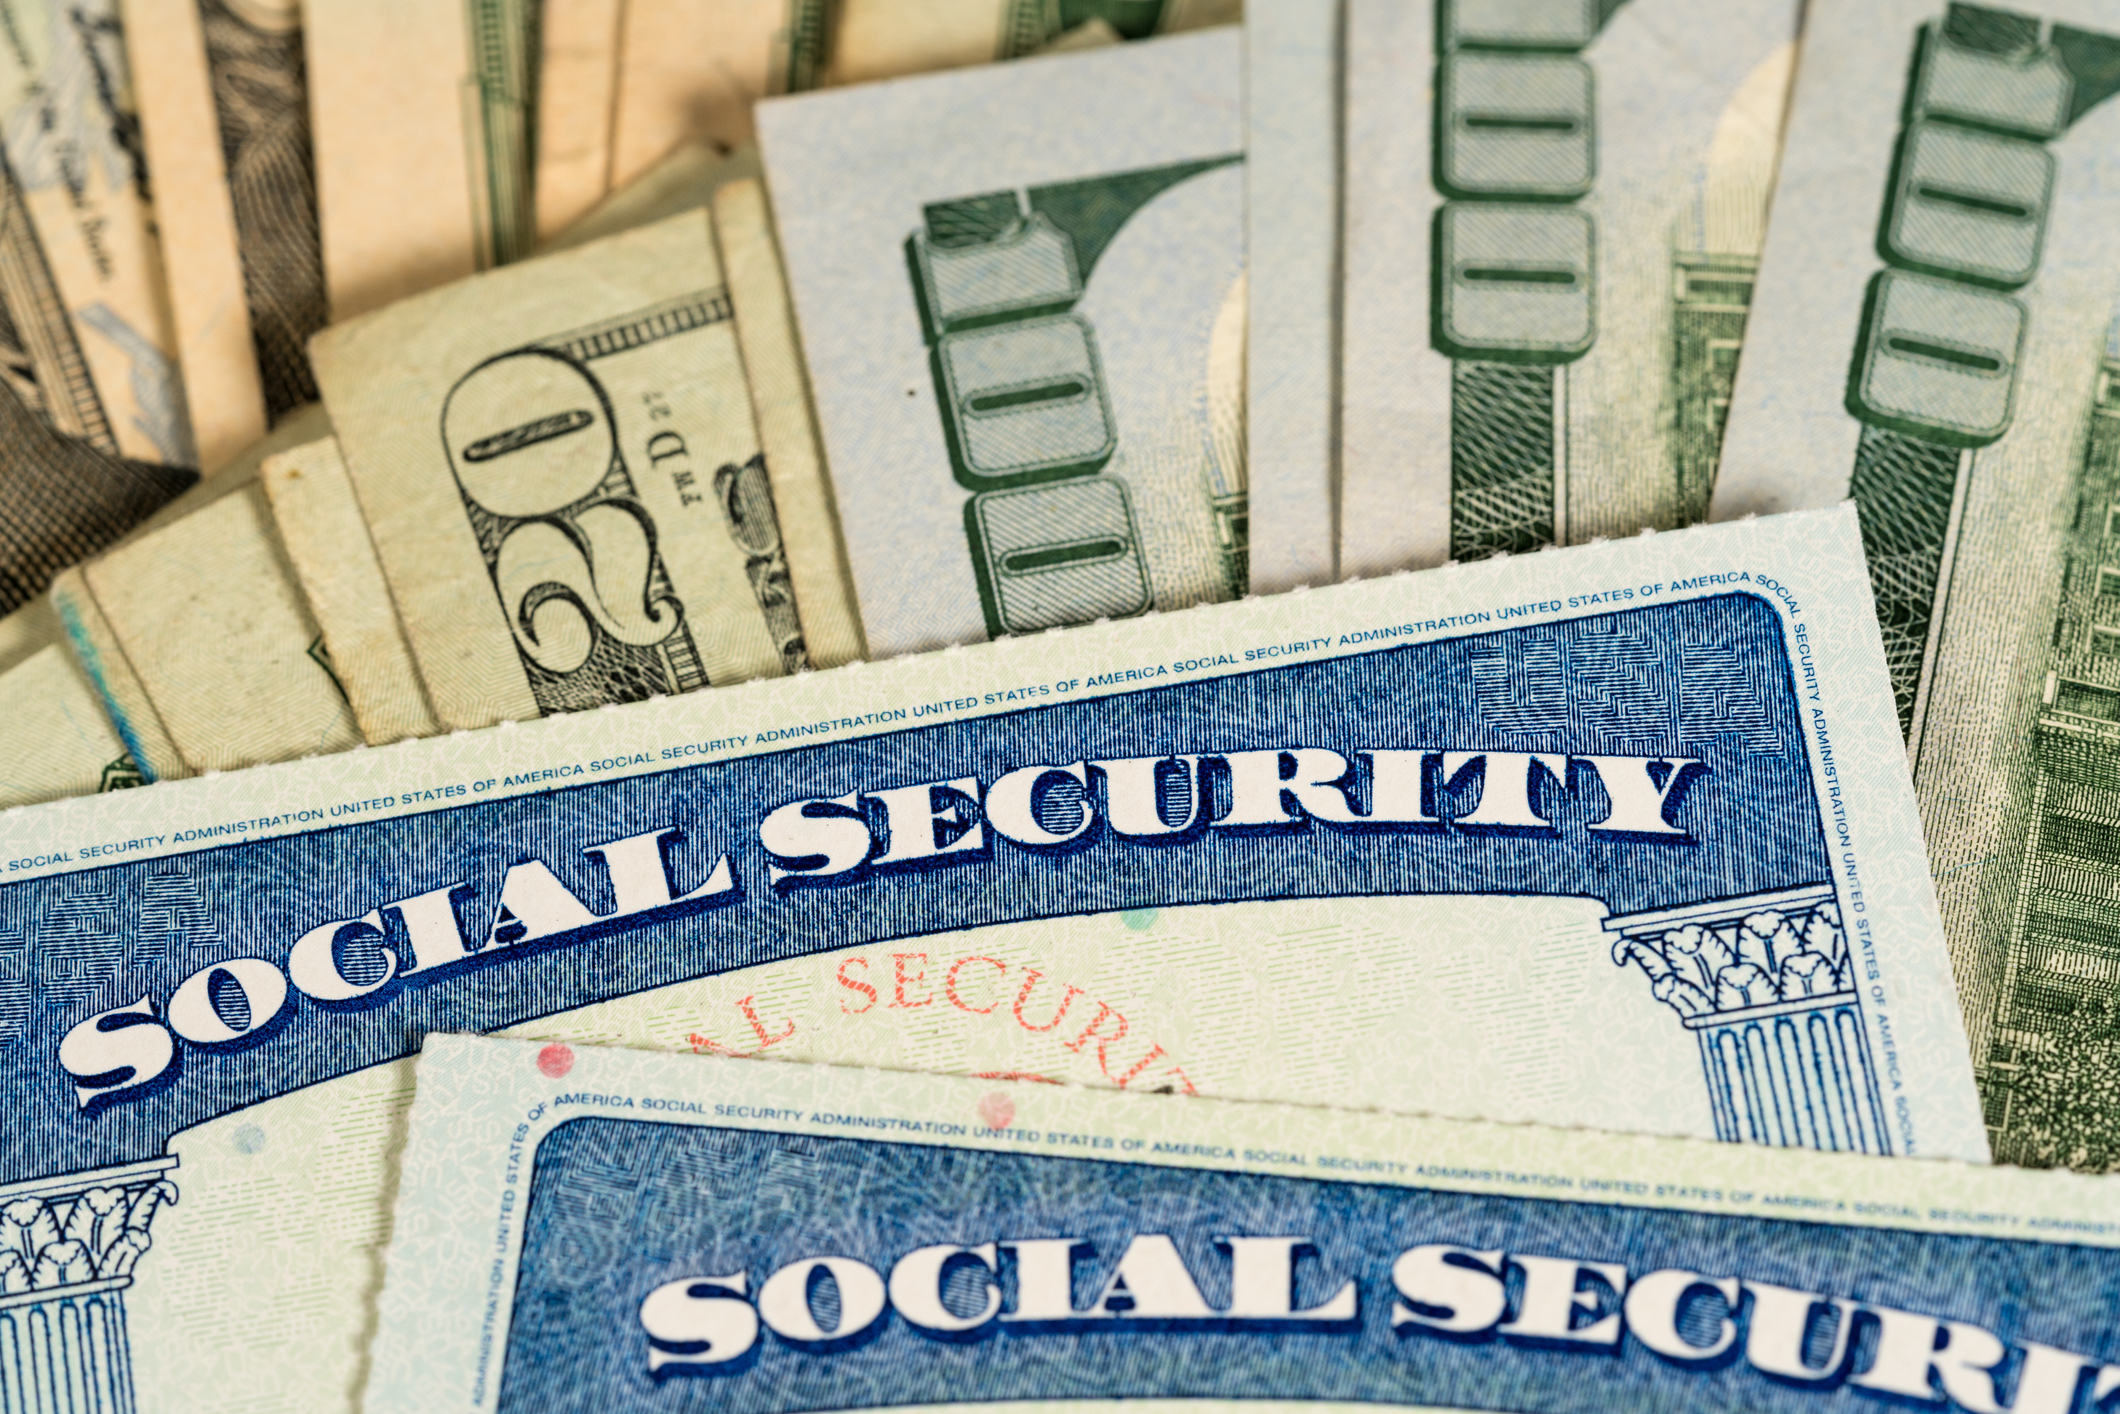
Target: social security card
{"type": "Point", "coordinates": [593, 1229]}
{"type": "Point", "coordinates": [1618, 836]}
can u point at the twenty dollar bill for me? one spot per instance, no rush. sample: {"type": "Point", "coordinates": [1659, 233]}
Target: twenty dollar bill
{"type": "Point", "coordinates": [422, 128]}
{"type": "Point", "coordinates": [560, 470]}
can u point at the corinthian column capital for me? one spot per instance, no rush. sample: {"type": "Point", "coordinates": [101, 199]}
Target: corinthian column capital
{"type": "Point", "coordinates": [81, 1231]}
{"type": "Point", "coordinates": [1708, 959]}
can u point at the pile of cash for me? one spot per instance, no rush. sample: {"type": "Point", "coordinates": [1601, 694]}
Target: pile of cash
{"type": "Point", "coordinates": [1367, 695]}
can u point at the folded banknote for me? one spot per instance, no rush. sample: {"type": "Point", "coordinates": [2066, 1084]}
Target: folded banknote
{"type": "Point", "coordinates": [1619, 836]}
{"type": "Point", "coordinates": [1939, 341]}
{"type": "Point", "coordinates": [1553, 219]}
{"type": "Point", "coordinates": [584, 1229]}
{"type": "Point", "coordinates": [1292, 153]}
{"type": "Point", "coordinates": [1021, 296]}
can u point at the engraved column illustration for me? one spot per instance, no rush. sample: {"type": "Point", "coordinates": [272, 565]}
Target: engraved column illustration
{"type": "Point", "coordinates": [1514, 262]}
{"type": "Point", "coordinates": [1766, 986]}
{"type": "Point", "coordinates": [71, 1243]}
{"type": "Point", "coordinates": [1056, 537]}
{"type": "Point", "coordinates": [68, 1248]}
{"type": "Point", "coordinates": [1935, 367]}
{"type": "Point", "coordinates": [2053, 1056]}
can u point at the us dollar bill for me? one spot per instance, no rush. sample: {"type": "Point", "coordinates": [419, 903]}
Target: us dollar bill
{"type": "Point", "coordinates": [684, 180]}
{"type": "Point", "coordinates": [1619, 838]}
{"type": "Point", "coordinates": [69, 491]}
{"type": "Point", "coordinates": [55, 738]}
{"type": "Point", "coordinates": [74, 158]}
{"type": "Point", "coordinates": [787, 425]}
{"type": "Point", "coordinates": [91, 417]}
{"type": "Point", "coordinates": [577, 83]}
{"type": "Point", "coordinates": [197, 635]}
{"type": "Point", "coordinates": [597, 1228]}
{"type": "Point", "coordinates": [28, 629]}
{"type": "Point", "coordinates": [224, 118]}
{"type": "Point", "coordinates": [693, 176]}
{"type": "Point", "coordinates": [332, 557]}
{"type": "Point", "coordinates": [1021, 297]}
{"type": "Point", "coordinates": [421, 115]}
{"type": "Point", "coordinates": [880, 39]}
{"type": "Point", "coordinates": [561, 474]}
{"type": "Point", "coordinates": [1551, 238]}
{"type": "Point", "coordinates": [1941, 348]}
{"type": "Point", "coordinates": [1294, 57]}
{"type": "Point", "coordinates": [622, 85]}
{"type": "Point", "coordinates": [692, 71]}
{"type": "Point", "coordinates": [54, 735]}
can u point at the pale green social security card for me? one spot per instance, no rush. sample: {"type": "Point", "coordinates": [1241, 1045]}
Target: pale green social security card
{"type": "Point", "coordinates": [1021, 299]}
{"type": "Point", "coordinates": [1618, 837]}
{"type": "Point", "coordinates": [1935, 338]}
{"type": "Point", "coordinates": [581, 1228]}
{"type": "Point", "coordinates": [1553, 220]}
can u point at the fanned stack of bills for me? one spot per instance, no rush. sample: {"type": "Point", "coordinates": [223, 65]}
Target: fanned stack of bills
{"type": "Point", "coordinates": [555, 546]}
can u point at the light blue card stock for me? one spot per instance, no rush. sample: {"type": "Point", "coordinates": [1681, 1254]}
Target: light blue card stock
{"type": "Point", "coordinates": [1617, 837]}
{"type": "Point", "coordinates": [621, 1231]}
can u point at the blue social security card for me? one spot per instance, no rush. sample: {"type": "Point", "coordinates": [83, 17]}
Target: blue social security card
{"type": "Point", "coordinates": [1616, 837]}
{"type": "Point", "coordinates": [619, 1231]}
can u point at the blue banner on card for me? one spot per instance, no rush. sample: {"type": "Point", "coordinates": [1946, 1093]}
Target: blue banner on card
{"type": "Point", "coordinates": [672, 1266]}
{"type": "Point", "coordinates": [1654, 760]}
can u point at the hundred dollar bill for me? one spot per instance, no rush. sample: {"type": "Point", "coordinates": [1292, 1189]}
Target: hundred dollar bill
{"type": "Point", "coordinates": [224, 115]}
{"type": "Point", "coordinates": [421, 114]}
{"type": "Point", "coordinates": [881, 39]}
{"type": "Point", "coordinates": [328, 548]}
{"type": "Point", "coordinates": [1617, 838]}
{"type": "Point", "coordinates": [562, 478]}
{"type": "Point", "coordinates": [1022, 301]}
{"type": "Point", "coordinates": [1937, 341]}
{"type": "Point", "coordinates": [1553, 220]}
{"type": "Point", "coordinates": [1292, 71]}
{"type": "Point", "coordinates": [583, 1228]}
{"type": "Point", "coordinates": [94, 286]}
